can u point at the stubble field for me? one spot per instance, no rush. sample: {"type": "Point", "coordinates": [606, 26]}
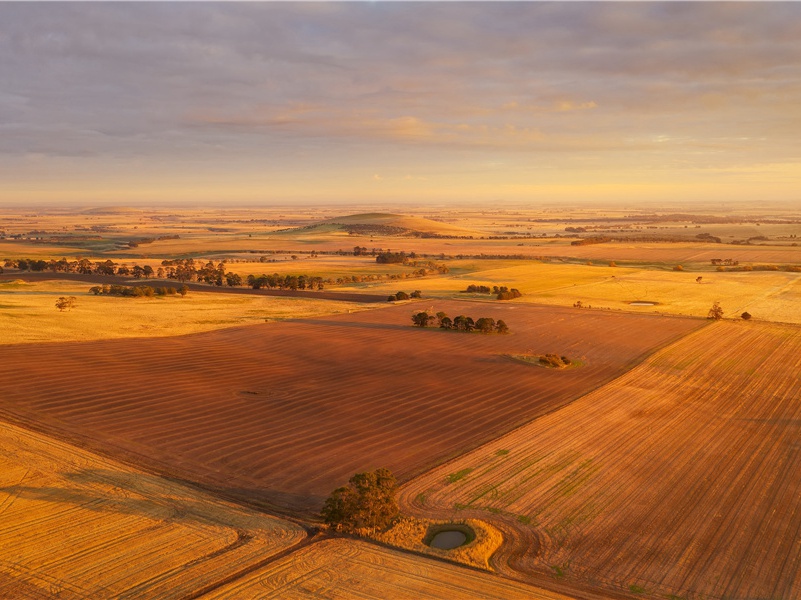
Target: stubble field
{"type": "Point", "coordinates": [284, 412]}
{"type": "Point", "coordinates": [678, 479]}
{"type": "Point", "coordinates": [74, 525]}
{"type": "Point", "coordinates": [351, 569]}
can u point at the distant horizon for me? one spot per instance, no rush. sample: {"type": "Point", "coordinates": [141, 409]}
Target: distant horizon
{"type": "Point", "coordinates": [394, 103]}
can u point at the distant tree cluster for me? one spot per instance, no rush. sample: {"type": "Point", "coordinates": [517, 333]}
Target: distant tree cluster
{"type": "Point", "coordinates": [554, 361]}
{"type": "Point", "coordinates": [404, 296]}
{"type": "Point", "coordinates": [285, 282]}
{"type": "Point", "coordinates": [391, 258]}
{"type": "Point", "coordinates": [460, 323]}
{"type": "Point", "coordinates": [139, 291]}
{"type": "Point", "coordinates": [366, 503]}
{"type": "Point", "coordinates": [501, 292]}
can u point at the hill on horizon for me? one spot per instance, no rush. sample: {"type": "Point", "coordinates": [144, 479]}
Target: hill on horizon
{"type": "Point", "coordinates": [386, 224]}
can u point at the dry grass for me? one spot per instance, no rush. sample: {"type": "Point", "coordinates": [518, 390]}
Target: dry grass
{"type": "Point", "coordinates": [28, 313]}
{"type": "Point", "coordinates": [75, 525]}
{"type": "Point", "coordinates": [341, 568]}
{"type": "Point", "coordinates": [678, 478]}
{"type": "Point", "coordinates": [410, 532]}
{"type": "Point", "coordinates": [767, 295]}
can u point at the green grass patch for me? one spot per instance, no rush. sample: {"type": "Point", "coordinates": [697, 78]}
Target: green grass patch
{"type": "Point", "coordinates": [454, 477]}
{"type": "Point", "coordinates": [636, 589]}
{"type": "Point", "coordinates": [501, 452]}
{"type": "Point", "coordinates": [524, 519]}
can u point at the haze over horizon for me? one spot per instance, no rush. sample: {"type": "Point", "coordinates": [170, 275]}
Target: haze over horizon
{"type": "Point", "coordinates": [390, 102]}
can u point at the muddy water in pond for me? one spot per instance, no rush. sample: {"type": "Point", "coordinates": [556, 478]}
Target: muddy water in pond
{"type": "Point", "coordinates": [446, 540]}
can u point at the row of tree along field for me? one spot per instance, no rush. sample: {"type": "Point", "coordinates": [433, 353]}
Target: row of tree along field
{"type": "Point", "coordinates": [501, 292]}
{"type": "Point", "coordinates": [209, 272]}
{"type": "Point", "coordinates": [460, 323]}
{"type": "Point", "coordinates": [139, 291]}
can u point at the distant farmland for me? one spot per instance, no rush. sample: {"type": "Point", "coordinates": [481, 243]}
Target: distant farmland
{"type": "Point", "coordinates": [284, 412]}
{"type": "Point", "coordinates": [679, 479]}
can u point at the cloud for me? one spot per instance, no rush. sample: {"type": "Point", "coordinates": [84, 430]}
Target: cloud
{"type": "Point", "coordinates": [291, 85]}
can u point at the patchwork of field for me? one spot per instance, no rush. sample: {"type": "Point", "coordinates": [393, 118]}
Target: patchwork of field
{"type": "Point", "coordinates": [766, 295]}
{"type": "Point", "coordinates": [28, 314]}
{"type": "Point", "coordinates": [351, 569]}
{"type": "Point", "coordinates": [678, 479]}
{"type": "Point", "coordinates": [285, 412]}
{"type": "Point", "coordinates": [74, 525]}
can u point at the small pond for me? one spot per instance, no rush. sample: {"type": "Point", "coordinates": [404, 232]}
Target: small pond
{"type": "Point", "coordinates": [447, 540]}
{"type": "Point", "coordinates": [642, 303]}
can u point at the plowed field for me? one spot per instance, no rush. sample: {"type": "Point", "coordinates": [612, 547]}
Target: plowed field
{"type": "Point", "coordinates": [285, 412]}
{"type": "Point", "coordinates": [351, 569]}
{"type": "Point", "coordinates": [679, 479]}
{"type": "Point", "coordinates": [75, 525]}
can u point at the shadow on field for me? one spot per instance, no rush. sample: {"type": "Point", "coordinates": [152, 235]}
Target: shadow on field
{"type": "Point", "coordinates": [161, 498]}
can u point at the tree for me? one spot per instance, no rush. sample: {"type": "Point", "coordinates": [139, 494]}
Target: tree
{"type": "Point", "coordinates": [367, 502]}
{"type": "Point", "coordinates": [716, 312]}
{"type": "Point", "coordinates": [501, 326]}
{"type": "Point", "coordinates": [485, 325]}
{"type": "Point", "coordinates": [66, 303]}
{"type": "Point", "coordinates": [422, 319]}
{"type": "Point", "coordinates": [183, 290]}
{"type": "Point", "coordinates": [233, 279]}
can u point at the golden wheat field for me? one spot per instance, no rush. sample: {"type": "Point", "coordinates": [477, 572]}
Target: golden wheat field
{"type": "Point", "coordinates": [75, 525]}
{"type": "Point", "coordinates": [766, 295]}
{"type": "Point", "coordinates": [678, 479]}
{"type": "Point", "coordinates": [28, 313]}
{"type": "Point", "coordinates": [342, 568]}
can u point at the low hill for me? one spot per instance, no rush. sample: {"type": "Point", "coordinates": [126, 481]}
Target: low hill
{"type": "Point", "coordinates": [387, 224]}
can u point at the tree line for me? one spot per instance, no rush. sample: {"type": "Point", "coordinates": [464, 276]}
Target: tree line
{"type": "Point", "coordinates": [501, 292]}
{"type": "Point", "coordinates": [138, 291]}
{"type": "Point", "coordinates": [460, 323]}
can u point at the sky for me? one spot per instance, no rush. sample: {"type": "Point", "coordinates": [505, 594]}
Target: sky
{"type": "Point", "coordinates": [361, 102]}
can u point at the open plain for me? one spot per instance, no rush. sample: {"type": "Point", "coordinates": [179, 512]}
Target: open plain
{"type": "Point", "coordinates": [285, 411]}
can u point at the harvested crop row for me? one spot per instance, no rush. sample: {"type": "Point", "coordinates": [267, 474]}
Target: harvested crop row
{"type": "Point", "coordinates": [285, 412]}
{"type": "Point", "coordinates": [74, 525]}
{"type": "Point", "coordinates": [329, 568]}
{"type": "Point", "coordinates": [680, 477]}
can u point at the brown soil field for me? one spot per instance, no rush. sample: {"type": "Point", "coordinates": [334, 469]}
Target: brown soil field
{"type": "Point", "coordinates": [342, 568]}
{"type": "Point", "coordinates": [74, 525]}
{"type": "Point", "coordinates": [678, 479]}
{"type": "Point", "coordinates": [284, 412]}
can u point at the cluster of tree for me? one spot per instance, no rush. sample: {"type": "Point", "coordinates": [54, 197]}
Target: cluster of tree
{"type": "Point", "coordinates": [724, 261]}
{"type": "Point", "coordinates": [150, 240]}
{"type": "Point", "coordinates": [554, 361]}
{"type": "Point", "coordinates": [598, 239]}
{"type": "Point", "coordinates": [66, 303]}
{"type": "Point", "coordinates": [501, 292]}
{"type": "Point", "coordinates": [460, 323]}
{"type": "Point", "coordinates": [285, 282]}
{"type": "Point", "coordinates": [391, 258]}
{"type": "Point", "coordinates": [708, 237]}
{"type": "Point", "coordinates": [504, 293]}
{"type": "Point", "coordinates": [367, 502]}
{"type": "Point", "coordinates": [405, 296]}
{"type": "Point", "coordinates": [139, 291]}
